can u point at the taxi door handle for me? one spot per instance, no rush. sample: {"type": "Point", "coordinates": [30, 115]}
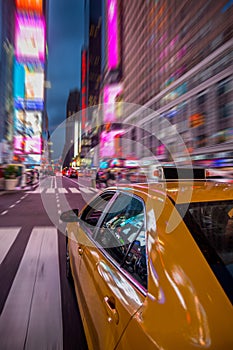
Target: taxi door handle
{"type": "Point", "coordinates": [80, 250]}
{"type": "Point", "coordinates": [111, 309]}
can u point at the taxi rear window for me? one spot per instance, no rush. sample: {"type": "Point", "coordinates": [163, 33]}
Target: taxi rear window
{"type": "Point", "coordinates": [211, 225]}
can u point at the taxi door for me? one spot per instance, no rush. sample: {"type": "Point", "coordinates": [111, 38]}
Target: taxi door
{"type": "Point", "coordinates": [110, 296]}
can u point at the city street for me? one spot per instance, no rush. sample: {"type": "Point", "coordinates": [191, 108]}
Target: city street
{"type": "Point", "coordinates": [37, 304]}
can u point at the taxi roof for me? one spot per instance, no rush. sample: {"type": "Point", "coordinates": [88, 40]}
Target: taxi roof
{"type": "Point", "coordinates": [184, 191]}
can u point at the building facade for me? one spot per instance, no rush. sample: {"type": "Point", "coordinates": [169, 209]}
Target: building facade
{"type": "Point", "coordinates": [178, 62]}
{"type": "Point", "coordinates": [73, 127]}
{"type": "Point", "coordinates": [23, 63]}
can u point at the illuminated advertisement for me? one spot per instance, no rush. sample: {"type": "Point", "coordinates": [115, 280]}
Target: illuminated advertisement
{"type": "Point", "coordinates": [34, 85]}
{"type": "Point", "coordinates": [28, 86]}
{"type": "Point", "coordinates": [19, 80]}
{"type": "Point", "coordinates": [28, 131]}
{"type": "Point", "coordinates": [30, 5]}
{"type": "Point", "coordinates": [30, 37]}
{"type": "Point", "coordinates": [112, 34]}
{"type": "Point", "coordinates": [84, 88]}
{"type": "Point", "coordinates": [110, 96]}
{"type": "Point", "coordinates": [33, 159]}
{"type": "Point", "coordinates": [107, 142]}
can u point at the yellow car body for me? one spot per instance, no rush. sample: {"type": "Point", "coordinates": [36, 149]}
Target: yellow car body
{"type": "Point", "coordinates": [177, 302]}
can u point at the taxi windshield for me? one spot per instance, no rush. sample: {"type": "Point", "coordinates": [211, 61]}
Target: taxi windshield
{"type": "Point", "coordinates": [211, 225]}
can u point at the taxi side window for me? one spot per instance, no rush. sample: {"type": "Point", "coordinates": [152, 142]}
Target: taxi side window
{"type": "Point", "coordinates": [94, 210]}
{"type": "Point", "coordinates": [122, 235]}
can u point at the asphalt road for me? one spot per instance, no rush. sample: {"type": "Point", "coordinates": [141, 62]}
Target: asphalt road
{"type": "Point", "coordinates": [38, 308]}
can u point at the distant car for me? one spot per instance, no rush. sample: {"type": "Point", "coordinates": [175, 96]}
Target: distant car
{"type": "Point", "coordinates": [152, 264]}
{"type": "Point", "coordinates": [64, 170]}
{"type": "Point", "coordinates": [71, 172]}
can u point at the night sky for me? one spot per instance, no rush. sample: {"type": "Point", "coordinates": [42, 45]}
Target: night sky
{"type": "Point", "coordinates": [65, 39]}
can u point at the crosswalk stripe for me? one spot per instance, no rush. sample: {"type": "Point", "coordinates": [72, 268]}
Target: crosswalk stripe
{"type": "Point", "coordinates": [35, 296]}
{"type": "Point", "coordinates": [7, 238]}
{"type": "Point", "coordinates": [86, 190]}
{"type": "Point", "coordinates": [94, 189]}
{"type": "Point", "coordinates": [62, 190]}
{"type": "Point", "coordinates": [50, 190]}
{"type": "Point", "coordinates": [74, 190]}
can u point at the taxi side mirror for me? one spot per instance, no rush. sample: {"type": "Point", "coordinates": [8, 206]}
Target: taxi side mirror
{"type": "Point", "coordinates": [70, 216]}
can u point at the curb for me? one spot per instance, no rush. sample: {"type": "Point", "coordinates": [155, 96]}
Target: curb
{"type": "Point", "coordinates": [21, 189]}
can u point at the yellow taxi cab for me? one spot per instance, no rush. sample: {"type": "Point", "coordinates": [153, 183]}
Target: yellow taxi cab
{"type": "Point", "coordinates": [152, 264]}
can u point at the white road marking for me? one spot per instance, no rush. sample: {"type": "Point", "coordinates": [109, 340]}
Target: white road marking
{"type": "Point", "coordinates": [74, 190]}
{"type": "Point", "coordinates": [50, 190]}
{"type": "Point", "coordinates": [7, 238]}
{"type": "Point", "coordinates": [86, 190]}
{"type": "Point", "coordinates": [4, 212]}
{"type": "Point", "coordinates": [62, 190]}
{"type": "Point", "coordinates": [32, 313]}
{"type": "Point", "coordinates": [94, 189]}
{"type": "Point", "coordinates": [12, 206]}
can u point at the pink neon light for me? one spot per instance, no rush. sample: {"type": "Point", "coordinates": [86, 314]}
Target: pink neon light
{"type": "Point", "coordinates": [30, 37]}
{"type": "Point", "coordinates": [110, 93]}
{"type": "Point", "coordinates": [112, 34]}
{"type": "Point", "coordinates": [27, 145]}
{"type": "Point", "coordinates": [107, 142]}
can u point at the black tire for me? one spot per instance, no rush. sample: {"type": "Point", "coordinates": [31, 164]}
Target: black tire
{"type": "Point", "coordinates": [68, 267]}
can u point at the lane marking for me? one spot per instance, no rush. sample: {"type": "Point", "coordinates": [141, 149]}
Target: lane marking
{"type": "Point", "coordinates": [4, 212]}
{"type": "Point", "coordinates": [12, 206]}
{"type": "Point", "coordinates": [34, 300]}
{"type": "Point", "coordinates": [7, 238]}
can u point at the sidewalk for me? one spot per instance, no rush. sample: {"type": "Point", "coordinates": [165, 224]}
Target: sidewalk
{"type": "Point", "coordinates": [21, 189]}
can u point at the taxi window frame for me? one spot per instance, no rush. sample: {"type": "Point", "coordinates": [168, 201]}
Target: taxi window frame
{"type": "Point", "coordinates": [110, 258]}
{"type": "Point", "coordinates": [92, 233]}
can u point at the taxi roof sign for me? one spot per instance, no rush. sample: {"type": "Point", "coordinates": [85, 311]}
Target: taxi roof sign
{"type": "Point", "coordinates": [178, 173]}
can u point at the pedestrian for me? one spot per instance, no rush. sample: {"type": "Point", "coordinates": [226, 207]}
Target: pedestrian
{"type": "Point", "coordinates": [31, 178]}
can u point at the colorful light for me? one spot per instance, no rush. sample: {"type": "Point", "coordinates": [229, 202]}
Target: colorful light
{"type": "Point", "coordinates": [30, 5]}
{"type": "Point", "coordinates": [113, 56]}
{"type": "Point", "coordinates": [30, 38]}
{"type": "Point", "coordinates": [107, 142]}
{"type": "Point", "coordinates": [110, 94]}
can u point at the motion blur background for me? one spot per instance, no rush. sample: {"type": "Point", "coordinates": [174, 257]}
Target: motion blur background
{"type": "Point", "coordinates": [172, 57]}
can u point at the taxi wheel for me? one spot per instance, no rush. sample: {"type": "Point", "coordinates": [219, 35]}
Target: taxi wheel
{"type": "Point", "coordinates": [68, 268]}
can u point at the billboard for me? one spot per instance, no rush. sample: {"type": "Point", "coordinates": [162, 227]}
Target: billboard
{"type": "Point", "coordinates": [30, 5]}
{"type": "Point", "coordinates": [107, 143]}
{"type": "Point", "coordinates": [28, 86]}
{"type": "Point", "coordinates": [28, 129]}
{"type": "Point", "coordinates": [110, 97]}
{"type": "Point", "coordinates": [34, 85]}
{"type": "Point", "coordinates": [113, 54]}
{"type": "Point", "coordinates": [29, 37]}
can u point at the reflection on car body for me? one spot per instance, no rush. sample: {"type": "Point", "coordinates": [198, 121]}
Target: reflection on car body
{"type": "Point", "coordinates": [152, 266]}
